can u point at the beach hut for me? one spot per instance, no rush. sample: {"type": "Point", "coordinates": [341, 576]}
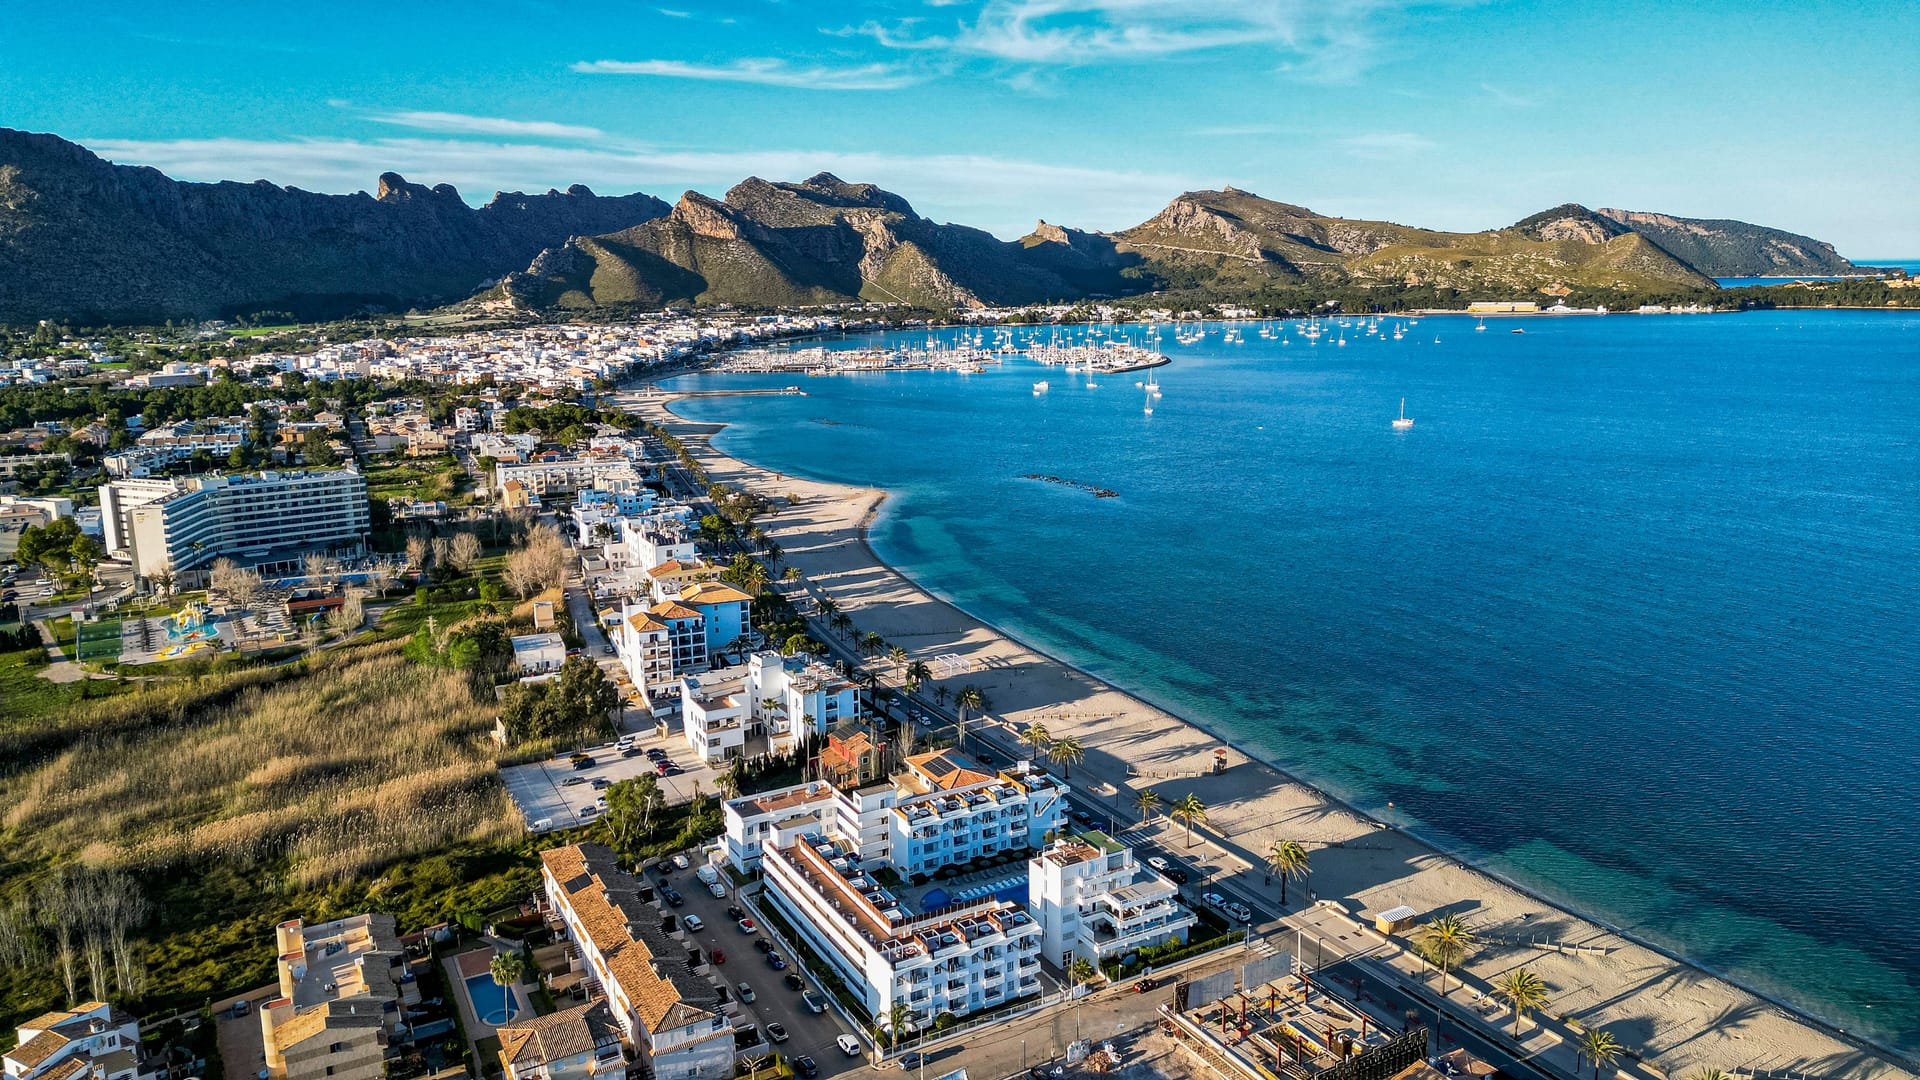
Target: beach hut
{"type": "Point", "coordinates": [1395, 920]}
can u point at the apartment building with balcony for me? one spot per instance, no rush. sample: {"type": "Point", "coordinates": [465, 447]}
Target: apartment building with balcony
{"type": "Point", "coordinates": [670, 1017]}
{"type": "Point", "coordinates": [941, 809]}
{"type": "Point", "coordinates": [783, 700]}
{"type": "Point", "coordinates": [1093, 900]}
{"type": "Point", "coordinates": [949, 810]}
{"type": "Point", "coordinates": [956, 960]}
{"type": "Point", "coordinates": [343, 988]}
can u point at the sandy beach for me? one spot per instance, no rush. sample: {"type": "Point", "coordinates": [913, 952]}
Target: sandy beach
{"type": "Point", "coordinates": [1677, 1019]}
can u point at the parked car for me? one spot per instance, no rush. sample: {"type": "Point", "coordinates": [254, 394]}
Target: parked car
{"type": "Point", "coordinates": [775, 962]}
{"type": "Point", "coordinates": [1240, 912]}
{"type": "Point", "coordinates": [806, 1067]}
{"type": "Point", "coordinates": [242, 1007]}
{"type": "Point", "coordinates": [848, 1045]}
{"type": "Point", "coordinates": [1213, 899]}
{"type": "Point", "coordinates": [601, 783]}
{"type": "Point", "coordinates": [718, 956]}
{"type": "Point", "coordinates": [763, 945]}
{"type": "Point", "coordinates": [1178, 876]}
{"type": "Point", "coordinates": [589, 811]}
{"type": "Point", "coordinates": [572, 780]}
{"type": "Point", "coordinates": [680, 860]}
{"type": "Point", "coordinates": [1157, 862]}
{"type": "Point", "coordinates": [606, 650]}
{"type": "Point", "coordinates": [674, 899]}
{"type": "Point", "coordinates": [717, 889]}
{"type": "Point", "coordinates": [777, 1031]}
{"type": "Point", "coordinates": [735, 912]}
{"type": "Point", "coordinates": [660, 768]}
{"type": "Point", "coordinates": [1145, 985]}
{"type": "Point", "coordinates": [911, 1060]}
{"type": "Point", "coordinates": [694, 923]}
{"type": "Point", "coordinates": [746, 925]}
{"type": "Point", "coordinates": [746, 992]}
{"type": "Point", "coordinates": [584, 761]}
{"type": "Point", "coordinates": [794, 982]}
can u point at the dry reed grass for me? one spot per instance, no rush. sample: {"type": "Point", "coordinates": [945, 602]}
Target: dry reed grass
{"type": "Point", "coordinates": [364, 760]}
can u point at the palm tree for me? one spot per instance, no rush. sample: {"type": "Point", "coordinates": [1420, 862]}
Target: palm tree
{"type": "Point", "coordinates": [506, 968]}
{"type": "Point", "coordinates": [1524, 992]}
{"type": "Point", "coordinates": [1287, 859]}
{"type": "Point", "coordinates": [1445, 942]}
{"type": "Point", "coordinates": [827, 606]}
{"type": "Point", "coordinates": [1189, 811]}
{"type": "Point", "coordinates": [1146, 802]}
{"type": "Point", "coordinates": [897, 654]}
{"type": "Point", "coordinates": [1036, 738]}
{"type": "Point", "coordinates": [870, 642]}
{"type": "Point", "coordinates": [917, 674]}
{"type": "Point", "coordinates": [1082, 971]}
{"type": "Point", "coordinates": [791, 573]}
{"type": "Point", "coordinates": [1065, 753]}
{"type": "Point", "coordinates": [969, 697]}
{"type": "Point", "coordinates": [941, 694]}
{"type": "Point", "coordinates": [898, 1017]}
{"type": "Point", "coordinates": [1599, 1047]}
{"type": "Point", "coordinates": [842, 622]}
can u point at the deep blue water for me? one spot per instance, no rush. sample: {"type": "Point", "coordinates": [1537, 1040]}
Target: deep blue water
{"type": "Point", "coordinates": [1629, 615]}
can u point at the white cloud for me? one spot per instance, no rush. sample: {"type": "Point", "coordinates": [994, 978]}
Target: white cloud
{"type": "Point", "coordinates": [673, 14]}
{"type": "Point", "coordinates": [1327, 36]}
{"type": "Point", "coordinates": [764, 72]}
{"type": "Point", "coordinates": [1001, 195]}
{"type": "Point", "coordinates": [1236, 131]}
{"type": "Point", "coordinates": [1383, 145]}
{"type": "Point", "coordinates": [462, 124]}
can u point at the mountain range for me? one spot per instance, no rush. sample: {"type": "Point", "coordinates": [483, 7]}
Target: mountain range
{"type": "Point", "coordinates": [85, 240]}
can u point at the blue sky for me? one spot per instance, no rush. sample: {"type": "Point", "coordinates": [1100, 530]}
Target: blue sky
{"type": "Point", "coordinates": [1090, 113]}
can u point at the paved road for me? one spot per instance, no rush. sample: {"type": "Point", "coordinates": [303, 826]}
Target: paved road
{"type": "Point", "coordinates": [811, 1033]}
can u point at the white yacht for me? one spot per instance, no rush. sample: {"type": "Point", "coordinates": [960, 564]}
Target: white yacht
{"type": "Point", "coordinates": [1405, 421]}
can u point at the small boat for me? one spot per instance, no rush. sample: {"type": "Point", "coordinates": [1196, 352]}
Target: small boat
{"type": "Point", "coordinates": [1516, 330]}
{"type": "Point", "coordinates": [1405, 421]}
{"type": "Point", "coordinates": [1039, 388]}
{"type": "Point", "coordinates": [1482, 326]}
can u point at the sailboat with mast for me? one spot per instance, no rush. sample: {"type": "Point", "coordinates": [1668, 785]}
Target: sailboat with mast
{"type": "Point", "coordinates": [1404, 422]}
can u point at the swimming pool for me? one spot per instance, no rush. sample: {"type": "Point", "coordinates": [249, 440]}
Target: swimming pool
{"type": "Point", "coordinates": [492, 1003]}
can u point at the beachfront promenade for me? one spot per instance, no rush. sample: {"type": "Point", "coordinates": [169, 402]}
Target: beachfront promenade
{"type": "Point", "coordinates": [1676, 1019]}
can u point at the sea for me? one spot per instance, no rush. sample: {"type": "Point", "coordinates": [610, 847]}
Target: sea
{"type": "Point", "coordinates": [1628, 616]}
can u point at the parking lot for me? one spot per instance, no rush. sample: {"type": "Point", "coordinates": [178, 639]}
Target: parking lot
{"type": "Point", "coordinates": [809, 1033]}
{"type": "Point", "coordinates": [542, 792]}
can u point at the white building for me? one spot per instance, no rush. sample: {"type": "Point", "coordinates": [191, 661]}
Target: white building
{"type": "Point", "coordinates": [116, 500]}
{"type": "Point", "coordinates": [539, 654]}
{"type": "Point", "coordinates": [544, 478]}
{"type": "Point", "coordinates": [670, 1016]}
{"type": "Point", "coordinates": [783, 700]}
{"type": "Point", "coordinates": [941, 809]}
{"type": "Point", "coordinates": [948, 810]}
{"type": "Point", "coordinates": [957, 960]}
{"type": "Point", "coordinates": [270, 520]}
{"type": "Point", "coordinates": [1092, 899]}
{"type": "Point", "coordinates": [92, 1042]}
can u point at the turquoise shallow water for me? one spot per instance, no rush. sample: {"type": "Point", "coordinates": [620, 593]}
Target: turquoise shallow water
{"type": "Point", "coordinates": [1630, 615]}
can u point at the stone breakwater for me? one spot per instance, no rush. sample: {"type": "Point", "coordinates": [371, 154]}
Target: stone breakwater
{"type": "Point", "coordinates": [1096, 492]}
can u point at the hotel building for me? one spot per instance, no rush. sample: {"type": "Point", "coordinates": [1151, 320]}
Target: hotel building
{"type": "Point", "coordinates": [956, 960]}
{"type": "Point", "coordinates": [268, 521]}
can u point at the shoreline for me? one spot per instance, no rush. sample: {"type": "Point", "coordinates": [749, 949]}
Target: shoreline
{"type": "Point", "coordinates": [1256, 795]}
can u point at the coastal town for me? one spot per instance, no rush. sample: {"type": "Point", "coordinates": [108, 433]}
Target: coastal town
{"type": "Point", "coordinates": [764, 805]}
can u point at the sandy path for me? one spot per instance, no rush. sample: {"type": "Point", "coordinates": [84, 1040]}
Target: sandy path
{"type": "Point", "coordinates": [1677, 1018]}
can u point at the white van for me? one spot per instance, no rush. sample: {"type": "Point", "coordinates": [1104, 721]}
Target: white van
{"type": "Point", "coordinates": [707, 874]}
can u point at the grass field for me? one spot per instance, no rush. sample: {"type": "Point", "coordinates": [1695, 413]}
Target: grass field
{"type": "Point", "coordinates": [432, 478]}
